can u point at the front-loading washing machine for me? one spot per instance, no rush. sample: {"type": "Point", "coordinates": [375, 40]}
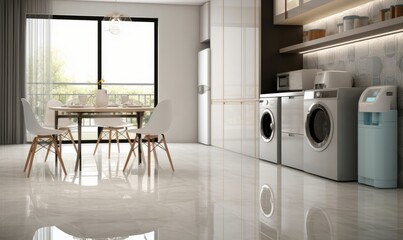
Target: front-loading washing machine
{"type": "Point", "coordinates": [270, 128]}
{"type": "Point", "coordinates": [330, 143]}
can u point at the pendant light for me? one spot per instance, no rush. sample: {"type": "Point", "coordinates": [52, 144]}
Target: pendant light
{"type": "Point", "coordinates": [114, 20]}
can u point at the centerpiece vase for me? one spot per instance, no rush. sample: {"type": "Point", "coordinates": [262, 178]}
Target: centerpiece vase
{"type": "Point", "coordinates": [102, 98]}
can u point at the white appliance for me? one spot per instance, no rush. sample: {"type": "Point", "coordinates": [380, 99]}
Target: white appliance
{"type": "Point", "coordinates": [296, 80]}
{"type": "Point", "coordinates": [270, 128]}
{"type": "Point", "coordinates": [333, 79]}
{"type": "Point", "coordinates": [330, 143]}
{"type": "Point", "coordinates": [292, 130]}
{"type": "Point", "coordinates": [204, 96]}
{"type": "Point", "coordinates": [378, 137]}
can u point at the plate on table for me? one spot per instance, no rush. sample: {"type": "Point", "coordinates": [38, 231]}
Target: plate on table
{"type": "Point", "coordinates": [132, 105]}
{"type": "Point", "coordinates": [113, 105]}
{"type": "Point", "coordinates": [74, 106]}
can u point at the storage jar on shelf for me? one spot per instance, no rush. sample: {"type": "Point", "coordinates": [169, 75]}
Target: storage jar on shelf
{"type": "Point", "coordinates": [348, 22]}
{"type": "Point", "coordinates": [399, 10]}
{"type": "Point", "coordinates": [316, 33]}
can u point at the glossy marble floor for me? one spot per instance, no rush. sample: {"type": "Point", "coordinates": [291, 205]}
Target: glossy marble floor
{"type": "Point", "coordinates": [213, 194]}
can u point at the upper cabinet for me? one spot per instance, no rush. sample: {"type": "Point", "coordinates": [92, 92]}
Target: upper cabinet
{"type": "Point", "coordinates": [205, 22]}
{"type": "Point", "coordinates": [301, 12]}
{"type": "Point", "coordinates": [375, 30]}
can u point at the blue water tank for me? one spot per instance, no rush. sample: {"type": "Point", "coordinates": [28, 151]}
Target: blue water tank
{"type": "Point", "coordinates": [377, 137]}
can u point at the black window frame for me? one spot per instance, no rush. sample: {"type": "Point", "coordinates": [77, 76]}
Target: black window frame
{"type": "Point", "coordinates": [99, 57]}
{"type": "Point", "coordinates": [134, 19]}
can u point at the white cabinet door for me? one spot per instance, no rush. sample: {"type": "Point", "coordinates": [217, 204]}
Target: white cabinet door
{"type": "Point", "coordinates": [217, 120]}
{"type": "Point", "coordinates": [249, 128]}
{"type": "Point", "coordinates": [249, 50]}
{"type": "Point", "coordinates": [217, 46]}
{"type": "Point", "coordinates": [205, 22]}
{"type": "Point", "coordinates": [292, 114]}
{"type": "Point", "coordinates": [233, 126]}
{"type": "Point", "coordinates": [292, 150]}
{"type": "Point", "coordinates": [235, 68]}
{"type": "Point", "coordinates": [300, 12]}
{"type": "Point", "coordinates": [291, 4]}
{"type": "Point", "coordinates": [279, 7]}
{"type": "Point", "coordinates": [232, 49]}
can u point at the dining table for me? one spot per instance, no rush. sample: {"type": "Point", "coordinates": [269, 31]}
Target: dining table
{"type": "Point", "coordinates": [81, 111]}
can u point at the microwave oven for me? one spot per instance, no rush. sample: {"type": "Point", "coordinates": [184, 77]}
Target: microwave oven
{"type": "Point", "coordinates": [298, 80]}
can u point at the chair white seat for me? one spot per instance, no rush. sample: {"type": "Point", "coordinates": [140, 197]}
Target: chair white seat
{"type": "Point", "coordinates": [50, 131]}
{"type": "Point", "coordinates": [158, 124]}
{"type": "Point", "coordinates": [62, 123]}
{"type": "Point", "coordinates": [111, 126]}
{"type": "Point", "coordinates": [43, 136]}
{"type": "Point", "coordinates": [111, 122]}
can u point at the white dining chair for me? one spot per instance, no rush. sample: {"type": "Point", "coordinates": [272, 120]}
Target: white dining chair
{"type": "Point", "coordinates": [43, 137]}
{"type": "Point", "coordinates": [111, 128]}
{"type": "Point", "coordinates": [158, 124]}
{"type": "Point", "coordinates": [63, 123]}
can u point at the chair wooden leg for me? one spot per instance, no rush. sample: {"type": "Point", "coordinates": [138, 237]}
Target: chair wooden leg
{"type": "Point", "coordinates": [32, 156]}
{"type": "Point", "coordinates": [72, 139]}
{"type": "Point", "coordinates": [28, 157]}
{"type": "Point", "coordinates": [59, 155]}
{"type": "Point", "coordinates": [128, 138]}
{"type": "Point", "coordinates": [154, 150]}
{"type": "Point", "coordinates": [99, 139]}
{"type": "Point", "coordinates": [130, 154]}
{"type": "Point", "coordinates": [47, 153]}
{"type": "Point", "coordinates": [110, 141]}
{"type": "Point", "coordinates": [117, 139]}
{"type": "Point", "coordinates": [167, 151]}
{"type": "Point", "coordinates": [31, 151]}
{"type": "Point", "coordinates": [149, 156]}
{"type": "Point", "coordinates": [60, 143]}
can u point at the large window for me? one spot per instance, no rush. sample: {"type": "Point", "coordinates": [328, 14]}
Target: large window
{"type": "Point", "coordinates": [128, 61]}
{"type": "Point", "coordinates": [83, 52]}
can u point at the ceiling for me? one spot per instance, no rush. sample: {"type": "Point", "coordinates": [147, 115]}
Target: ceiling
{"type": "Point", "coordinates": [183, 2]}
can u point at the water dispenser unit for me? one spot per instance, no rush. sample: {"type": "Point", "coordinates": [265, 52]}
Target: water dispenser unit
{"type": "Point", "coordinates": [377, 137]}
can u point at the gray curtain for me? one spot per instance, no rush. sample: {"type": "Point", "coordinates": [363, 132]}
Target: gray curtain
{"type": "Point", "coordinates": [12, 64]}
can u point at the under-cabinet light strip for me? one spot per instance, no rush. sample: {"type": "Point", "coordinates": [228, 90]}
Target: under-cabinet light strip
{"type": "Point", "coordinates": [352, 41]}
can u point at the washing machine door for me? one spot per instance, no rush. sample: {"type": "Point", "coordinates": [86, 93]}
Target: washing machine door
{"type": "Point", "coordinates": [267, 125]}
{"type": "Point", "coordinates": [318, 126]}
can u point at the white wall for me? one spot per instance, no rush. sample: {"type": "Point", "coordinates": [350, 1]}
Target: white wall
{"type": "Point", "coordinates": [178, 48]}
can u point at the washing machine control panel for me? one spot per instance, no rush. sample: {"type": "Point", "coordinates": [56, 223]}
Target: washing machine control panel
{"type": "Point", "coordinates": [313, 94]}
{"type": "Point", "coordinates": [264, 102]}
{"type": "Point", "coordinates": [267, 102]}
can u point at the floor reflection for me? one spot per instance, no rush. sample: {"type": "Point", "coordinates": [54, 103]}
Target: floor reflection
{"type": "Point", "coordinates": [318, 225]}
{"type": "Point", "coordinates": [54, 233]}
{"type": "Point", "coordinates": [296, 205]}
{"type": "Point", "coordinates": [212, 195]}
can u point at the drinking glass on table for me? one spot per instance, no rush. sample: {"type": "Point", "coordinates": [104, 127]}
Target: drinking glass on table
{"type": "Point", "coordinates": [125, 99]}
{"type": "Point", "coordinates": [83, 99]}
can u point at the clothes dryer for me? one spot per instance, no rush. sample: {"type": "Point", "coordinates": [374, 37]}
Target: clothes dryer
{"type": "Point", "coordinates": [330, 143]}
{"type": "Point", "coordinates": [270, 128]}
